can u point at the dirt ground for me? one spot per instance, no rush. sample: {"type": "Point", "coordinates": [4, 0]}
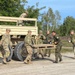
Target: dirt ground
{"type": "Point", "coordinates": [41, 67]}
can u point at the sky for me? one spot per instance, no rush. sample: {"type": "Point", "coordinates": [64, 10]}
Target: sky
{"type": "Point", "coordinates": [65, 7]}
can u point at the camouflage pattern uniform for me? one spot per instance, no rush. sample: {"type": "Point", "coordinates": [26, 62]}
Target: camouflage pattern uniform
{"type": "Point", "coordinates": [48, 41]}
{"type": "Point", "coordinates": [58, 44]}
{"type": "Point", "coordinates": [6, 42]}
{"type": "Point", "coordinates": [41, 39]}
{"type": "Point", "coordinates": [28, 45]}
{"type": "Point", "coordinates": [23, 15]}
{"type": "Point", "coordinates": [39, 51]}
{"type": "Point", "coordinates": [72, 37]}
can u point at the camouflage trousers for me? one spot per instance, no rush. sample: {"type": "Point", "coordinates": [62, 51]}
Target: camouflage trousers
{"type": "Point", "coordinates": [6, 51]}
{"type": "Point", "coordinates": [40, 51]}
{"type": "Point", "coordinates": [47, 51]}
{"type": "Point", "coordinates": [58, 53]}
{"type": "Point", "coordinates": [29, 55]}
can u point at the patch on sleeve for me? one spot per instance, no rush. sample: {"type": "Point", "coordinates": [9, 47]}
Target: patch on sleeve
{"type": "Point", "coordinates": [57, 37]}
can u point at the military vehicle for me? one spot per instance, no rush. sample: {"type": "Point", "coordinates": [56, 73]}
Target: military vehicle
{"type": "Point", "coordinates": [17, 34]}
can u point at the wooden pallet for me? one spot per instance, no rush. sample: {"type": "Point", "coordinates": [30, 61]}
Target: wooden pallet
{"type": "Point", "coordinates": [44, 46]}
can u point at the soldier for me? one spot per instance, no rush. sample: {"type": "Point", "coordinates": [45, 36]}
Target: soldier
{"type": "Point", "coordinates": [6, 42]}
{"type": "Point", "coordinates": [58, 44]}
{"type": "Point", "coordinates": [23, 15]}
{"type": "Point", "coordinates": [28, 45]}
{"type": "Point", "coordinates": [39, 51]}
{"type": "Point", "coordinates": [41, 38]}
{"type": "Point", "coordinates": [48, 41]}
{"type": "Point", "coordinates": [72, 37]}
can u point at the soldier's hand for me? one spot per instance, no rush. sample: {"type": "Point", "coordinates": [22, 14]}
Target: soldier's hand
{"type": "Point", "coordinates": [69, 41]}
{"type": "Point", "coordinates": [48, 40]}
{"type": "Point", "coordinates": [55, 43]}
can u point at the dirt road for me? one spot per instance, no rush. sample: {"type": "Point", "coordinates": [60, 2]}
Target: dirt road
{"type": "Point", "coordinates": [41, 67]}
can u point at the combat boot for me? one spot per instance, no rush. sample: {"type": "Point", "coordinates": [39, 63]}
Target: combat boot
{"type": "Point", "coordinates": [29, 62]}
{"type": "Point", "coordinates": [25, 62]}
{"type": "Point", "coordinates": [60, 60]}
{"type": "Point", "coordinates": [42, 57]}
{"type": "Point", "coordinates": [56, 62]}
{"type": "Point", "coordinates": [4, 61]}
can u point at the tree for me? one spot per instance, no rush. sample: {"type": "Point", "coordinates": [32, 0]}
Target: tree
{"type": "Point", "coordinates": [51, 20]}
{"type": "Point", "coordinates": [12, 7]}
{"type": "Point", "coordinates": [68, 24]}
{"type": "Point", "coordinates": [57, 18]}
{"type": "Point", "coordinates": [34, 12]}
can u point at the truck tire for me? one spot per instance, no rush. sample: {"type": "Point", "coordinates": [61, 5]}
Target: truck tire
{"type": "Point", "coordinates": [11, 54]}
{"type": "Point", "coordinates": [20, 52]}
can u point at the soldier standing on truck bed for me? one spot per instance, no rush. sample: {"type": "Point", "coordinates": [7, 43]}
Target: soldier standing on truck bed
{"type": "Point", "coordinates": [72, 37]}
{"type": "Point", "coordinates": [23, 15]}
{"type": "Point", "coordinates": [49, 39]}
{"type": "Point", "coordinates": [6, 42]}
{"type": "Point", "coordinates": [28, 45]}
{"type": "Point", "coordinates": [58, 44]}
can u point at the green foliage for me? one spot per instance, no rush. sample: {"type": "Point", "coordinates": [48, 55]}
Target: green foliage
{"type": "Point", "coordinates": [34, 12]}
{"type": "Point", "coordinates": [11, 7]}
{"type": "Point", "coordinates": [68, 24]}
{"type": "Point", "coordinates": [15, 8]}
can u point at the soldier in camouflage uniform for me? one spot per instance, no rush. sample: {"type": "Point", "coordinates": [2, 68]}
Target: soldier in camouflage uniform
{"type": "Point", "coordinates": [58, 44]}
{"type": "Point", "coordinates": [23, 15]}
{"type": "Point", "coordinates": [41, 39]}
{"type": "Point", "coordinates": [72, 37]}
{"type": "Point", "coordinates": [6, 42]}
{"type": "Point", "coordinates": [41, 36]}
{"type": "Point", "coordinates": [48, 41]}
{"type": "Point", "coordinates": [39, 51]}
{"type": "Point", "coordinates": [28, 45]}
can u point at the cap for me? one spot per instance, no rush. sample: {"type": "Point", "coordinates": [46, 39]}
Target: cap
{"type": "Point", "coordinates": [7, 29]}
{"type": "Point", "coordinates": [29, 31]}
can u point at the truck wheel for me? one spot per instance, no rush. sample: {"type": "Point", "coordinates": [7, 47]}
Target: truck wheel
{"type": "Point", "coordinates": [20, 52]}
{"type": "Point", "coordinates": [11, 54]}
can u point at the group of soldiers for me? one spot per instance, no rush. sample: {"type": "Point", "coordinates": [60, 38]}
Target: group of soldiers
{"type": "Point", "coordinates": [29, 42]}
{"type": "Point", "coordinates": [50, 39]}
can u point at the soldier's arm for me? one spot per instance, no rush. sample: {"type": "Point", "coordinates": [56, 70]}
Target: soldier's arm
{"type": "Point", "coordinates": [44, 37]}
{"type": "Point", "coordinates": [3, 38]}
{"type": "Point", "coordinates": [10, 43]}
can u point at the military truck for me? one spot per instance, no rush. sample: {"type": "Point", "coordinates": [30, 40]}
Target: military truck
{"type": "Point", "coordinates": [18, 34]}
